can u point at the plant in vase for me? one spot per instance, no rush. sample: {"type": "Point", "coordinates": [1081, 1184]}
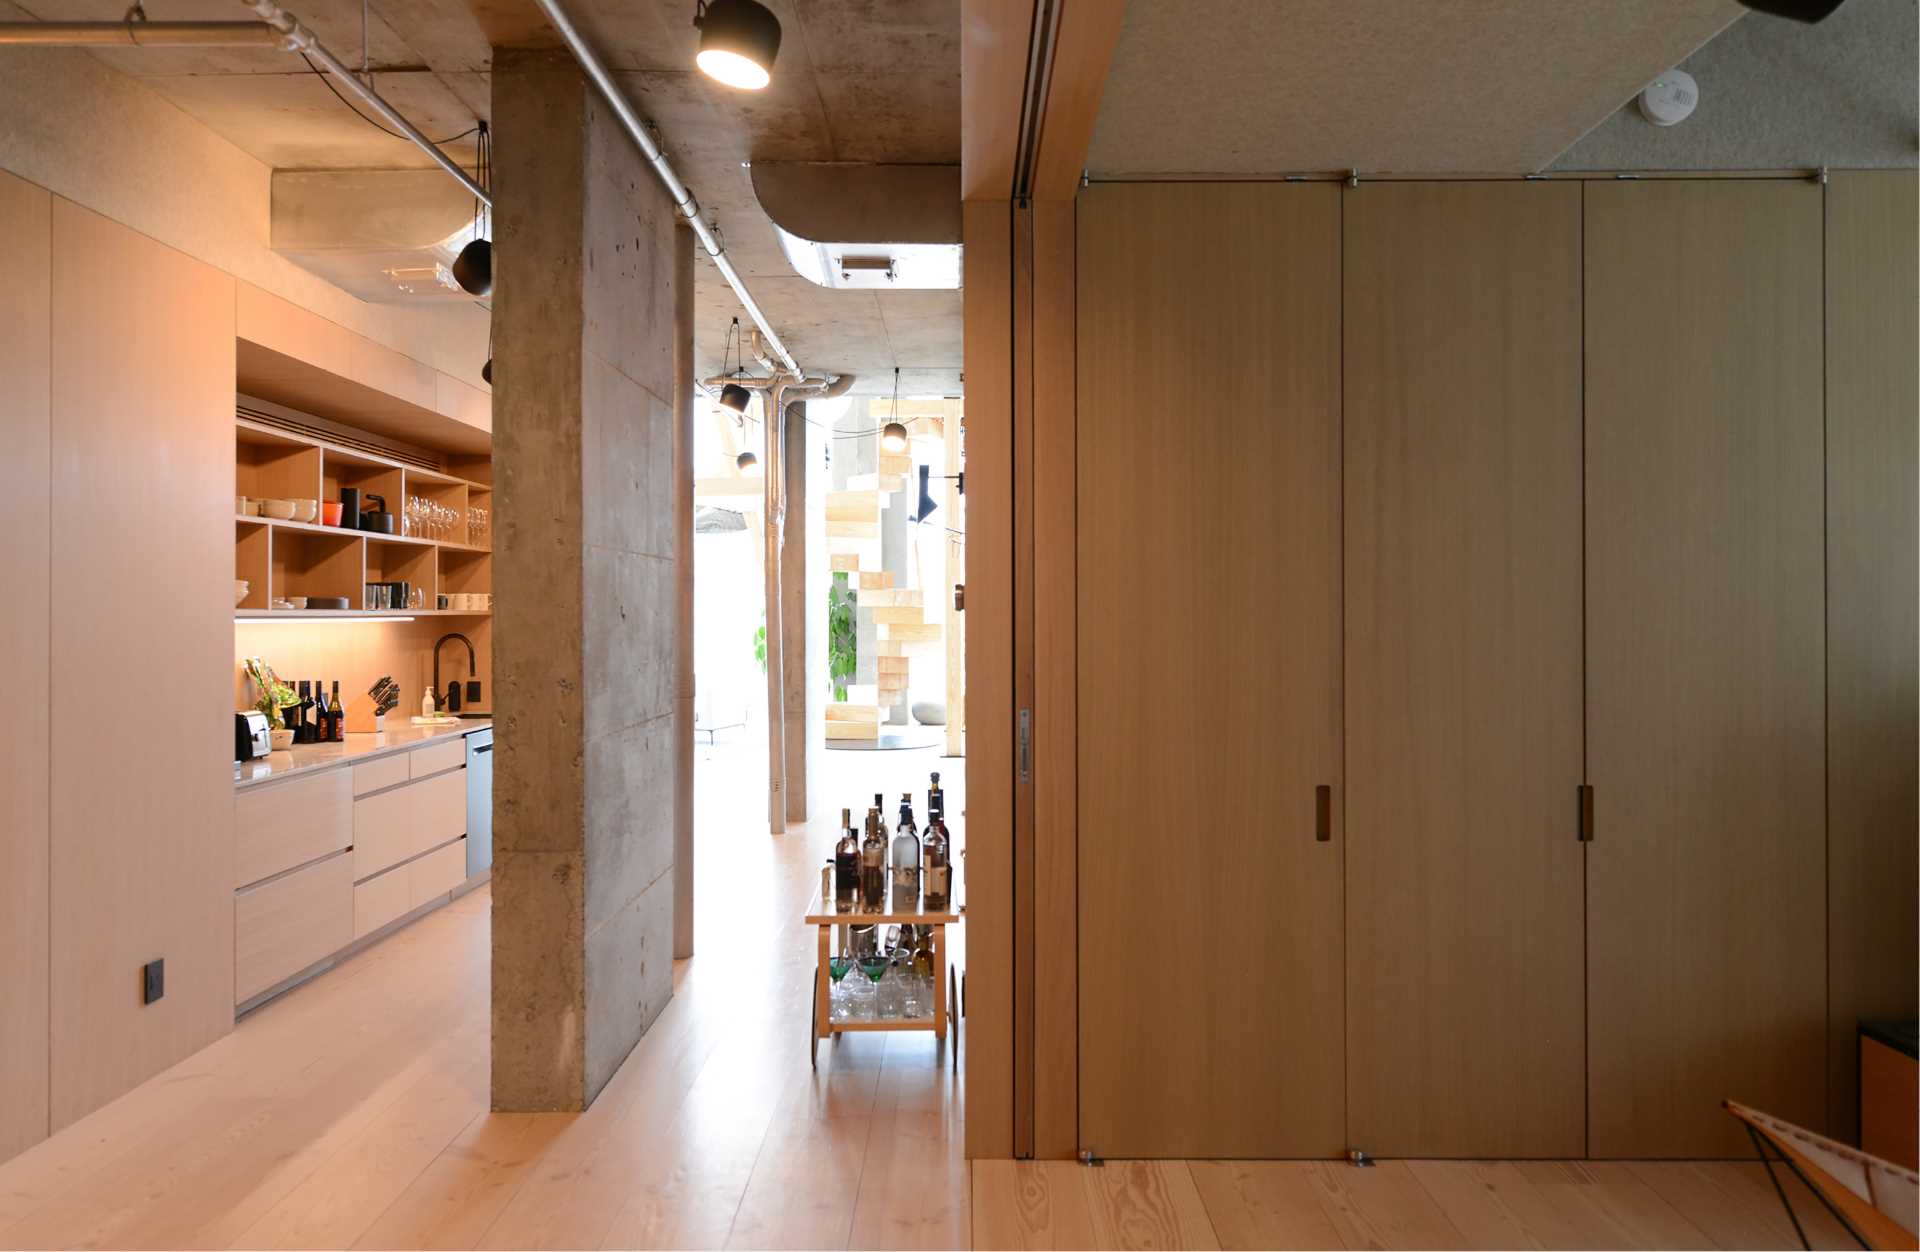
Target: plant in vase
{"type": "Point", "coordinates": [274, 696]}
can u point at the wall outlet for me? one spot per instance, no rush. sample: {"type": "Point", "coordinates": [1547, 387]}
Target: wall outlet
{"type": "Point", "coordinates": [153, 981]}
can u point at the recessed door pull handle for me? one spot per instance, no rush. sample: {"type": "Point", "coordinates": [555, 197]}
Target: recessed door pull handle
{"type": "Point", "coordinates": [1322, 814]}
{"type": "Point", "coordinates": [1586, 813]}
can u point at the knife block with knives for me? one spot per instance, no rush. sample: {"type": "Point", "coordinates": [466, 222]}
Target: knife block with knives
{"type": "Point", "coordinates": [367, 714]}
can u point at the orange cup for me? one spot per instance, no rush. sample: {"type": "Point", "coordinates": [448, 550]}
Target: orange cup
{"type": "Point", "coordinates": [330, 513]}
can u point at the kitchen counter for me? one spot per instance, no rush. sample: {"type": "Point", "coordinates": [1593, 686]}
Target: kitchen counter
{"type": "Point", "coordinates": [308, 757]}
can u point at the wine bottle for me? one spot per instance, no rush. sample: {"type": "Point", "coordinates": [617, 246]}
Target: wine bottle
{"type": "Point", "coordinates": [336, 716]}
{"type": "Point", "coordinates": [846, 865]}
{"type": "Point", "coordinates": [937, 868]}
{"type": "Point", "coordinates": [906, 860]}
{"type": "Point", "coordinates": [302, 732]}
{"type": "Point", "coordinates": [873, 865]}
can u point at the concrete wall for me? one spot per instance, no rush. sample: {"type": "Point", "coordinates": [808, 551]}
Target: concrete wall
{"type": "Point", "coordinates": [104, 141]}
{"type": "Point", "coordinates": [1776, 94]}
{"type": "Point", "coordinates": [585, 573]}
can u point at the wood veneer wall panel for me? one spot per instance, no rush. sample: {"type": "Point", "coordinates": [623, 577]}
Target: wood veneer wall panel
{"type": "Point", "coordinates": [1873, 397]}
{"type": "Point", "coordinates": [25, 577]}
{"type": "Point", "coordinates": [1056, 779]}
{"type": "Point", "coordinates": [1706, 897]}
{"type": "Point", "coordinates": [1210, 954]}
{"type": "Point", "coordinates": [987, 880]}
{"type": "Point", "coordinates": [1465, 1004]}
{"type": "Point", "coordinates": [142, 836]}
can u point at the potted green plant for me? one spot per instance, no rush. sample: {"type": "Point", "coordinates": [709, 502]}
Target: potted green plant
{"type": "Point", "coordinates": [274, 696]}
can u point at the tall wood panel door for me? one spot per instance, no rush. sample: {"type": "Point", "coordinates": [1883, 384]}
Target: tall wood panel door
{"type": "Point", "coordinates": [1208, 470]}
{"type": "Point", "coordinates": [1706, 890]}
{"type": "Point", "coordinates": [1873, 630]}
{"type": "Point", "coordinates": [1465, 1006]}
{"type": "Point", "coordinates": [142, 463]}
{"type": "Point", "coordinates": [26, 576]}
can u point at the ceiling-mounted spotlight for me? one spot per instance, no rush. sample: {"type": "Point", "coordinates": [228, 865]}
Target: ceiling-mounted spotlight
{"type": "Point", "coordinates": [748, 464]}
{"type": "Point", "coordinates": [738, 41]}
{"type": "Point", "coordinates": [734, 396]}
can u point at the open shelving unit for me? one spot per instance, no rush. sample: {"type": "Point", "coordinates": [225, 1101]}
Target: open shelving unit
{"type": "Point", "coordinates": [287, 558]}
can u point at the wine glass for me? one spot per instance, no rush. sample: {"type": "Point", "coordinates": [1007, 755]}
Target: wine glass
{"type": "Point", "coordinates": [840, 999]}
{"type": "Point", "coordinates": [874, 966]}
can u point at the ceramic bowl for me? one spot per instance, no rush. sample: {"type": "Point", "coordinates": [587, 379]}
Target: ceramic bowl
{"type": "Point", "coordinates": [298, 602]}
{"type": "Point", "coordinates": [280, 740]}
{"type": "Point", "coordinates": [280, 603]}
{"type": "Point", "coordinates": [281, 510]}
{"type": "Point", "coordinates": [240, 588]}
{"type": "Point", "coordinates": [306, 510]}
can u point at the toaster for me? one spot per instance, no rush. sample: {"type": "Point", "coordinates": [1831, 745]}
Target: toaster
{"type": "Point", "coordinates": [250, 737]}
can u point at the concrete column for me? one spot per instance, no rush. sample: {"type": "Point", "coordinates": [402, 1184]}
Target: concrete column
{"type": "Point", "coordinates": [683, 411]}
{"type": "Point", "coordinates": [585, 632]}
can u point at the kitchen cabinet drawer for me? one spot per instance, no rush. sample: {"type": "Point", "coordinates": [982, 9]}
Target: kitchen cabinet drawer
{"type": "Point", "coordinates": [440, 809]}
{"type": "Point", "coordinates": [383, 832]}
{"type": "Point", "coordinates": [436, 873]}
{"type": "Point", "coordinates": [384, 771]}
{"type": "Point", "coordinates": [436, 757]}
{"type": "Point", "coordinates": [378, 901]}
{"type": "Point", "coordinates": [278, 827]}
{"type": "Point", "coordinates": [397, 825]}
{"type": "Point", "coordinates": [281, 927]}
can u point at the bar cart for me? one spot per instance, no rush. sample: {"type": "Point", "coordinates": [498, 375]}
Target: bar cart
{"type": "Point", "coordinates": [944, 1021]}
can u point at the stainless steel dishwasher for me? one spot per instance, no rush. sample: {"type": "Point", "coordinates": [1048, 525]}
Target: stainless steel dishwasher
{"type": "Point", "coordinates": [479, 801]}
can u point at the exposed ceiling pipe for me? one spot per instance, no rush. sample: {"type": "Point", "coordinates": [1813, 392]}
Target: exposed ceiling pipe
{"type": "Point", "coordinates": [298, 38]}
{"type": "Point", "coordinates": [142, 34]}
{"type": "Point", "coordinates": [682, 198]}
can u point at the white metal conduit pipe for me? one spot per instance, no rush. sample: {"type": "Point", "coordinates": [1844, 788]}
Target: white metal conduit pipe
{"type": "Point", "coordinates": [299, 39]}
{"type": "Point", "coordinates": [138, 34]}
{"type": "Point", "coordinates": [276, 28]}
{"type": "Point", "coordinates": [682, 198]}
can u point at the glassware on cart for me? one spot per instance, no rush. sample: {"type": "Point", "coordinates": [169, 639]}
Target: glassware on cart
{"type": "Point", "coordinates": [891, 989]}
{"type": "Point", "coordinates": [874, 966]}
{"type": "Point", "coordinates": [840, 993]}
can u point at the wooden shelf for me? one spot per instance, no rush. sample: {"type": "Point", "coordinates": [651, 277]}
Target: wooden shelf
{"type": "Point", "coordinates": [255, 433]}
{"type": "Point", "coordinates": [294, 615]}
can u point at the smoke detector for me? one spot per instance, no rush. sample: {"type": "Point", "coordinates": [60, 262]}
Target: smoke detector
{"type": "Point", "coordinates": [1670, 99]}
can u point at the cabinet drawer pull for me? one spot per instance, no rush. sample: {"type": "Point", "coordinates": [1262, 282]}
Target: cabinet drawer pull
{"type": "Point", "coordinates": [1586, 814]}
{"type": "Point", "coordinates": [1323, 813]}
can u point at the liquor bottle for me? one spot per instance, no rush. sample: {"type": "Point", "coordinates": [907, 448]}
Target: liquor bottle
{"type": "Point", "coordinates": [336, 716]}
{"type": "Point", "coordinates": [886, 843]}
{"type": "Point", "coordinates": [846, 865]}
{"type": "Point", "coordinates": [923, 952]}
{"type": "Point", "coordinates": [302, 731]}
{"type": "Point", "coordinates": [320, 725]}
{"type": "Point", "coordinates": [906, 860]}
{"type": "Point", "coordinates": [873, 866]}
{"type": "Point", "coordinates": [936, 865]}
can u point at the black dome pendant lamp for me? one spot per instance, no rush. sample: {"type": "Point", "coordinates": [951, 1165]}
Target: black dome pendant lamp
{"type": "Point", "coordinates": [738, 41]}
{"type": "Point", "coordinates": [473, 268]}
{"type": "Point", "coordinates": [732, 395]}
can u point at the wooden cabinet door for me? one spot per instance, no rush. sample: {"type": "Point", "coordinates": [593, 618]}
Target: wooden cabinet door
{"type": "Point", "coordinates": [1706, 891]}
{"type": "Point", "coordinates": [1465, 1005]}
{"type": "Point", "coordinates": [1208, 484]}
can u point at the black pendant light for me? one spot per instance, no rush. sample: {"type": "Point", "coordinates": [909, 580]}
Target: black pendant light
{"type": "Point", "coordinates": [473, 268]}
{"type": "Point", "coordinates": [747, 463]}
{"type": "Point", "coordinates": [732, 395]}
{"type": "Point", "coordinates": [738, 41]}
{"type": "Point", "coordinates": [893, 436]}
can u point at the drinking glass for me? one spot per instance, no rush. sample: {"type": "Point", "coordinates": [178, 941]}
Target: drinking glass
{"type": "Point", "coordinates": [892, 989]}
{"type": "Point", "coordinates": [840, 994]}
{"type": "Point", "coordinates": [874, 966]}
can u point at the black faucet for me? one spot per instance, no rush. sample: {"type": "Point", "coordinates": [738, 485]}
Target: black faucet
{"type": "Point", "coordinates": [442, 699]}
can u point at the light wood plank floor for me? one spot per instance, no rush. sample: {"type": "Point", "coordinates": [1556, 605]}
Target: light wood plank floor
{"type": "Point", "coordinates": [352, 1113]}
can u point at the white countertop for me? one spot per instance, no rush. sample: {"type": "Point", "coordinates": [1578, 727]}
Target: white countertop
{"type": "Point", "coordinates": [307, 757]}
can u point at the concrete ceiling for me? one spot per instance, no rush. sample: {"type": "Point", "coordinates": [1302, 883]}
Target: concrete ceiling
{"type": "Point", "coordinates": [856, 80]}
{"type": "Point", "coordinates": [1249, 87]}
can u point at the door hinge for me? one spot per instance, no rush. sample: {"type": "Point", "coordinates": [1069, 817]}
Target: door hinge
{"type": "Point", "coordinates": [1026, 745]}
{"type": "Point", "coordinates": [1586, 813]}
